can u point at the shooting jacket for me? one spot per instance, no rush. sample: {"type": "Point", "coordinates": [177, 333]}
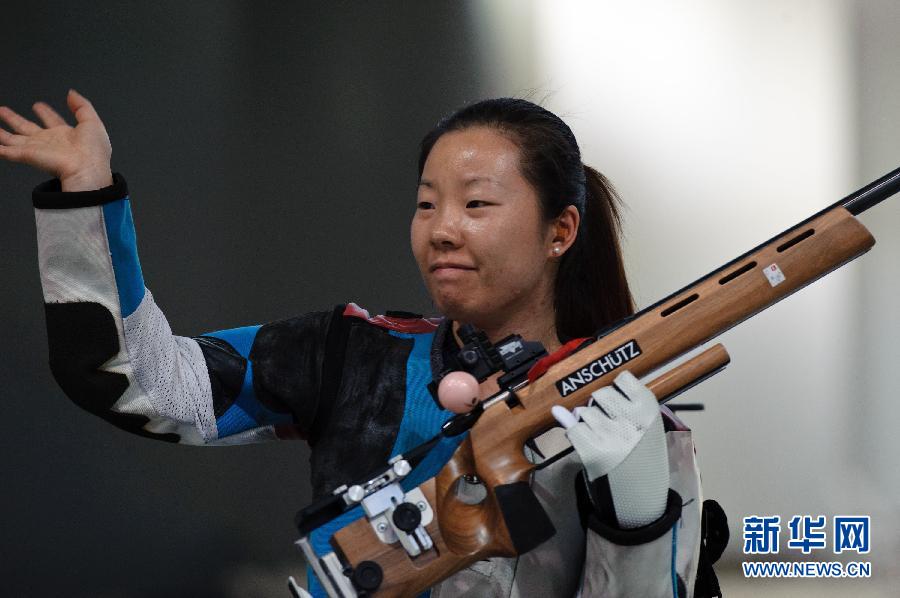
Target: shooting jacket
{"type": "Point", "coordinates": [352, 385]}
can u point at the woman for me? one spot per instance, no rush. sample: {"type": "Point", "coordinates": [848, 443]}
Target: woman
{"type": "Point", "coordinates": [512, 233]}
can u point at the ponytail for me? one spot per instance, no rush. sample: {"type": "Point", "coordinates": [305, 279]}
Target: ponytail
{"type": "Point", "coordinates": [591, 289]}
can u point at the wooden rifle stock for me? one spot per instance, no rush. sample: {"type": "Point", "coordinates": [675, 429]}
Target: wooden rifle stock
{"type": "Point", "coordinates": [465, 533]}
{"type": "Point", "coordinates": [494, 450]}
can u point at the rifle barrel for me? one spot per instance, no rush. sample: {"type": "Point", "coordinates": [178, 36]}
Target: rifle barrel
{"type": "Point", "coordinates": [873, 193]}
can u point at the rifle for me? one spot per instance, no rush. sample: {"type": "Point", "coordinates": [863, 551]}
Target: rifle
{"type": "Point", "coordinates": [404, 529]}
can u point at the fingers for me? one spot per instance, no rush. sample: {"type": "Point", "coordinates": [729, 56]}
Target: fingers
{"type": "Point", "coordinates": [7, 138]}
{"type": "Point", "coordinates": [628, 398]}
{"type": "Point", "coordinates": [17, 123]}
{"type": "Point", "coordinates": [582, 438]}
{"type": "Point", "coordinates": [632, 387]}
{"type": "Point", "coordinates": [627, 405]}
{"type": "Point", "coordinates": [12, 147]}
{"type": "Point", "coordinates": [81, 107]}
{"type": "Point", "coordinates": [565, 417]}
{"type": "Point", "coordinates": [602, 450]}
{"type": "Point", "coordinates": [48, 115]}
{"type": "Point", "coordinates": [610, 401]}
{"type": "Point", "coordinates": [596, 419]}
{"type": "Point", "coordinates": [16, 154]}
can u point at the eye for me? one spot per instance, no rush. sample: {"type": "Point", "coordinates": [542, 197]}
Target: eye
{"type": "Point", "coordinates": [424, 205]}
{"type": "Point", "coordinates": [477, 203]}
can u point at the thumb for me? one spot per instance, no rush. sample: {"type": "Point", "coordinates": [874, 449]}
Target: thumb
{"type": "Point", "coordinates": [80, 107]}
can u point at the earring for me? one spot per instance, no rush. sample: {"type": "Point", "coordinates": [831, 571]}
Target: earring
{"type": "Point", "coordinates": [556, 250]}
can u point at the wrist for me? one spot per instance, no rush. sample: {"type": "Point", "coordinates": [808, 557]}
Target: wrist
{"type": "Point", "coordinates": [90, 180]}
{"type": "Point", "coordinates": [49, 195]}
{"type": "Point", "coordinates": [595, 511]}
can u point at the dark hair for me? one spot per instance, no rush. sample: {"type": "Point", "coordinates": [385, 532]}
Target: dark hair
{"type": "Point", "coordinates": [591, 290]}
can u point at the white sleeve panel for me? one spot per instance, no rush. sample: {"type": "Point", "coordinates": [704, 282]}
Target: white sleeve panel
{"type": "Point", "coordinates": [170, 369]}
{"type": "Point", "coordinates": [74, 259]}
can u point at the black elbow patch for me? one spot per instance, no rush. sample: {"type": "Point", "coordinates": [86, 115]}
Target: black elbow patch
{"type": "Point", "coordinates": [82, 337]}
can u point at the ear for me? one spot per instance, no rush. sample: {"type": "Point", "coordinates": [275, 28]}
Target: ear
{"type": "Point", "coordinates": [563, 231]}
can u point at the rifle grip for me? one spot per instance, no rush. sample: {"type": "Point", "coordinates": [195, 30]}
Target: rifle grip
{"type": "Point", "coordinates": [525, 518]}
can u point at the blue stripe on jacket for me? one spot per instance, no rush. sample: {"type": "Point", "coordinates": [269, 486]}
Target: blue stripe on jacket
{"type": "Point", "coordinates": [122, 242]}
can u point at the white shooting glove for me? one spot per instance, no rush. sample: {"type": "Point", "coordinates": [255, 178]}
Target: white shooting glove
{"type": "Point", "coordinates": [620, 434]}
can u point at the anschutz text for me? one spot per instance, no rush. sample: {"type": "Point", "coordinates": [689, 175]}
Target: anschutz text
{"type": "Point", "coordinates": [600, 366]}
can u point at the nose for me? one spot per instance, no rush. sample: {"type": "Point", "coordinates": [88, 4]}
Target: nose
{"type": "Point", "coordinates": [446, 230]}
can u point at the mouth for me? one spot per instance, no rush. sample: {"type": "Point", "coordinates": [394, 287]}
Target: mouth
{"type": "Point", "coordinates": [450, 273]}
{"type": "Point", "coordinates": [449, 267]}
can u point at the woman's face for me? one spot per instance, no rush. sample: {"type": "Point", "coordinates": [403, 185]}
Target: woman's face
{"type": "Point", "coordinates": [477, 235]}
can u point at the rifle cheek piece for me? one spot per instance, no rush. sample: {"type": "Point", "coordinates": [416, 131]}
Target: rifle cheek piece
{"type": "Point", "coordinates": [525, 518]}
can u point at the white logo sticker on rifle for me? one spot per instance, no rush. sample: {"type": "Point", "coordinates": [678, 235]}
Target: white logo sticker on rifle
{"type": "Point", "coordinates": [600, 366]}
{"type": "Point", "coordinates": [774, 274]}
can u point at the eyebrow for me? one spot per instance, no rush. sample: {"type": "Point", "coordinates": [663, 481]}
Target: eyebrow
{"type": "Point", "coordinates": [469, 182]}
{"type": "Point", "coordinates": [478, 179]}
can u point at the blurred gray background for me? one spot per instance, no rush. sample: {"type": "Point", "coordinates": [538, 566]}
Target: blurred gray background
{"type": "Point", "coordinates": [270, 151]}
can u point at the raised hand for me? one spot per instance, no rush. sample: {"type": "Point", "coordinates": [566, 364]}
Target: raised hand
{"type": "Point", "coordinates": [79, 156]}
